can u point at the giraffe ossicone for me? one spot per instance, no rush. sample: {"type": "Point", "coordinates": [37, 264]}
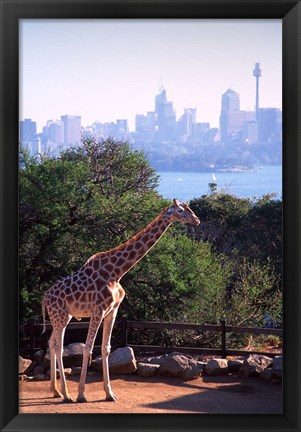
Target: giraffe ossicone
{"type": "Point", "coordinates": [94, 291]}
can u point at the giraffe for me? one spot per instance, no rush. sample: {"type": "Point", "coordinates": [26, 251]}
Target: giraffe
{"type": "Point", "coordinates": [94, 291]}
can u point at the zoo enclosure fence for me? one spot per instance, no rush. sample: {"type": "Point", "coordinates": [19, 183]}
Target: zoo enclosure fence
{"type": "Point", "coordinates": [36, 341]}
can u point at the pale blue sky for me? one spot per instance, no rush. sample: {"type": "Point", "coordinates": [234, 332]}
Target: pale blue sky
{"type": "Point", "coordinates": [111, 69]}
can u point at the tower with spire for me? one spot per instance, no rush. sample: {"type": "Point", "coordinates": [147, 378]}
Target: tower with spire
{"type": "Point", "coordinates": [257, 75]}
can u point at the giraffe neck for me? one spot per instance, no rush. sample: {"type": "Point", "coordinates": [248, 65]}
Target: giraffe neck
{"type": "Point", "coordinates": [120, 260]}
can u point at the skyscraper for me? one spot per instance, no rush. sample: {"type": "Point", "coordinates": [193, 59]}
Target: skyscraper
{"type": "Point", "coordinates": [165, 117]}
{"type": "Point", "coordinates": [53, 132]}
{"type": "Point", "coordinates": [186, 123]}
{"type": "Point", "coordinates": [267, 123]}
{"type": "Point", "coordinates": [230, 113]}
{"type": "Point", "coordinates": [72, 129]}
{"type": "Point", "coordinates": [28, 130]}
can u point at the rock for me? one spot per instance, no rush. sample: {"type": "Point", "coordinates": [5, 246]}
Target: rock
{"type": "Point", "coordinates": [46, 360]}
{"type": "Point", "coordinates": [97, 364]}
{"type": "Point", "coordinates": [68, 371]}
{"type": "Point", "coordinates": [202, 365]}
{"type": "Point", "coordinates": [254, 364]}
{"type": "Point", "coordinates": [22, 377]}
{"type": "Point", "coordinates": [24, 365]}
{"type": "Point", "coordinates": [178, 365]}
{"type": "Point", "coordinates": [121, 361]}
{"type": "Point", "coordinates": [217, 367]}
{"type": "Point", "coordinates": [40, 377]}
{"type": "Point", "coordinates": [38, 370]}
{"type": "Point", "coordinates": [76, 370]}
{"type": "Point", "coordinates": [277, 368]}
{"type": "Point", "coordinates": [38, 356]}
{"type": "Point", "coordinates": [72, 355]}
{"type": "Point", "coordinates": [267, 374]}
{"type": "Point", "coordinates": [158, 360]}
{"type": "Point", "coordinates": [147, 370]}
{"type": "Point", "coordinates": [234, 365]}
{"type": "Point", "coordinates": [47, 374]}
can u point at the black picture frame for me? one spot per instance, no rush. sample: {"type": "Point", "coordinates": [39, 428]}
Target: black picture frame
{"type": "Point", "coordinates": [290, 13]}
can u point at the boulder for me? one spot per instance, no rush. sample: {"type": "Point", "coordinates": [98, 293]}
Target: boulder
{"type": "Point", "coordinates": [68, 371]}
{"type": "Point", "coordinates": [76, 370]}
{"type": "Point", "coordinates": [277, 368]}
{"type": "Point", "coordinates": [91, 372]}
{"type": "Point", "coordinates": [46, 361]}
{"type": "Point", "coordinates": [40, 377]}
{"type": "Point", "coordinates": [180, 366]}
{"type": "Point", "coordinates": [24, 365]}
{"type": "Point", "coordinates": [23, 377]}
{"type": "Point", "coordinates": [72, 355]}
{"type": "Point", "coordinates": [254, 364]}
{"type": "Point", "coordinates": [147, 369]}
{"type": "Point", "coordinates": [121, 361]}
{"type": "Point", "coordinates": [267, 375]}
{"type": "Point", "coordinates": [157, 360]}
{"type": "Point", "coordinates": [38, 356]}
{"type": "Point", "coordinates": [234, 365]}
{"type": "Point", "coordinates": [38, 370]}
{"type": "Point", "coordinates": [217, 367]}
{"type": "Point", "coordinates": [96, 364]}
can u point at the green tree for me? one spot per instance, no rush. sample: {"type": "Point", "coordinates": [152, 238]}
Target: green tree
{"type": "Point", "coordinates": [240, 227]}
{"type": "Point", "coordinates": [89, 199]}
{"type": "Point", "coordinates": [249, 233]}
{"type": "Point", "coordinates": [254, 294]}
{"type": "Point", "coordinates": [179, 280]}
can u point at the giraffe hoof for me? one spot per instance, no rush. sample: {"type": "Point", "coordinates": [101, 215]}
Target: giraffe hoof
{"type": "Point", "coordinates": [67, 399]}
{"type": "Point", "coordinates": [111, 397]}
{"type": "Point", "coordinates": [81, 399]}
{"type": "Point", "coordinates": [57, 395]}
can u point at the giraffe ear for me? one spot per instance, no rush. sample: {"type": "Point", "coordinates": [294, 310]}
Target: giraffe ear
{"type": "Point", "coordinates": [176, 202]}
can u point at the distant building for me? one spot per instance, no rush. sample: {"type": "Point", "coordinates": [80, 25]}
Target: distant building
{"type": "Point", "coordinates": [28, 136]}
{"type": "Point", "coordinates": [231, 116]}
{"type": "Point", "coordinates": [28, 130]}
{"type": "Point", "coordinates": [268, 124]}
{"type": "Point", "coordinates": [53, 132]}
{"type": "Point", "coordinates": [145, 127]}
{"type": "Point", "coordinates": [165, 117]}
{"type": "Point", "coordinates": [249, 129]}
{"type": "Point", "coordinates": [109, 130]}
{"type": "Point", "coordinates": [186, 125]}
{"type": "Point", "coordinates": [141, 123]}
{"type": "Point", "coordinates": [121, 130]}
{"type": "Point", "coordinates": [249, 132]}
{"type": "Point", "coordinates": [72, 129]}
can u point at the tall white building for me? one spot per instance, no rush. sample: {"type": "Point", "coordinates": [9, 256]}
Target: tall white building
{"type": "Point", "coordinates": [72, 129]}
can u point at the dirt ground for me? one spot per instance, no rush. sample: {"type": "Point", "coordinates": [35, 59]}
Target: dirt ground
{"type": "Point", "coordinates": [233, 394]}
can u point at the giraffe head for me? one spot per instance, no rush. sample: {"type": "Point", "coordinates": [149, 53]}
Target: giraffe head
{"type": "Point", "coordinates": [182, 213]}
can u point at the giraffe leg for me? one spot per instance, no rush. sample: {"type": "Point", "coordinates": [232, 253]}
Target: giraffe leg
{"type": "Point", "coordinates": [92, 332]}
{"type": "Point", "coordinates": [59, 337]}
{"type": "Point", "coordinates": [105, 351]}
{"type": "Point", "coordinates": [53, 382]}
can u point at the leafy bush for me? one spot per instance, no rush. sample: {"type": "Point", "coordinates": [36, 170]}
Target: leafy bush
{"type": "Point", "coordinates": [96, 196]}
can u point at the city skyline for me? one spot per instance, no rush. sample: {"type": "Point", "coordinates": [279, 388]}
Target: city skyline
{"type": "Point", "coordinates": [105, 70]}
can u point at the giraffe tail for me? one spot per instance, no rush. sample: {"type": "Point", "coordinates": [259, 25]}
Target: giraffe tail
{"type": "Point", "coordinates": [44, 315]}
